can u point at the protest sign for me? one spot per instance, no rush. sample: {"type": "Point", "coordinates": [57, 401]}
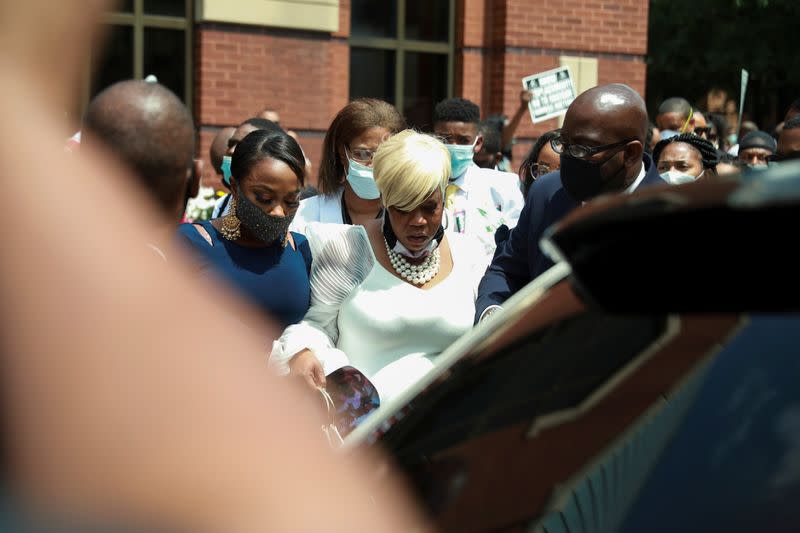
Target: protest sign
{"type": "Point", "coordinates": [745, 79]}
{"type": "Point", "coordinates": [553, 92]}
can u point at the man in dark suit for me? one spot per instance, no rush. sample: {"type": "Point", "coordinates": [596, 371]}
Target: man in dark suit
{"type": "Point", "coordinates": [602, 151]}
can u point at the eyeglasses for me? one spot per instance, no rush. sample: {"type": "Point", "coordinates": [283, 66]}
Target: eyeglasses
{"type": "Point", "coordinates": [754, 158]}
{"type": "Point", "coordinates": [538, 169]}
{"type": "Point", "coordinates": [580, 151]}
{"type": "Point", "coordinates": [362, 155]}
{"type": "Point", "coordinates": [700, 132]}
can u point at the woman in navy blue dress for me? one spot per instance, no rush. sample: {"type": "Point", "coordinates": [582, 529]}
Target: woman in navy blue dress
{"type": "Point", "coordinates": [252, 247]}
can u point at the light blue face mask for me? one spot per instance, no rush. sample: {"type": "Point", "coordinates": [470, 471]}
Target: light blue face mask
{"type": "Point", "coordinates": [676, 178]}
{"type": "Point", "coordinates": [361, 180]}
{"type": "Point", "coordinates": [226, 170]}
{"type": "Point", "coordinates": [460, 157]}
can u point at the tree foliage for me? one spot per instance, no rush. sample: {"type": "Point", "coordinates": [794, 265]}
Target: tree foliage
{"type": "Point", "coordinates": [695, 45]}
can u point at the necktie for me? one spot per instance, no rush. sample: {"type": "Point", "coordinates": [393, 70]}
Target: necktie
{"type": "Point", "coordinates": [449, 195]}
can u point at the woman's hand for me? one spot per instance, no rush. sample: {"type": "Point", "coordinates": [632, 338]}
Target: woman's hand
{"type": "Point", "coordinates": [306, 365]}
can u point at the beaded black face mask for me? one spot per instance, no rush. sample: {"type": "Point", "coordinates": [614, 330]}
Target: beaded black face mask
{"type": "Point", "coordinates": [263, 226]}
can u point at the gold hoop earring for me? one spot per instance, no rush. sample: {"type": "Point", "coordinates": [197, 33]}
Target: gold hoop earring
{"type": "Point", "coordinates": [231, 224]}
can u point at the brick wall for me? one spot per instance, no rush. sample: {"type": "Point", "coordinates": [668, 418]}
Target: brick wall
{"type": "Point", "coordinates": [209, 179]}
{"type": "Point", "coordinates": [633, 72]}
{"type": "Point", "coordinates": [498, 42]}
{"type": "Point", "coordinates": [240, 70]}
{"type": "Point", "coordinates": [586, 25]}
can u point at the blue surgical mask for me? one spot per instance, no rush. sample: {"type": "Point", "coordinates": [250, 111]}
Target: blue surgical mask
{"type": "Point", "coordinates": [226, 170]}
{"type": "Point", "coordinates": [361, 180]}
{"type": "Point", "coordinates": [676, 178]}
{"type": "Point", "coordinates": [460, 157]}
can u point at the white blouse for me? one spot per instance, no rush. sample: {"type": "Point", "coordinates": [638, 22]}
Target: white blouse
{"type": "Point", "coordinates": [364, 316]}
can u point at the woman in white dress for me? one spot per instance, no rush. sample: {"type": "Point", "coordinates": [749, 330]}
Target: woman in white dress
{"type": "Point", "coordinates": [389, 296]}
{"type": "Point", "coordinates": [348, 192]}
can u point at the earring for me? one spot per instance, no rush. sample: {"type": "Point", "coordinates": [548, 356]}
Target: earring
{"type": "Point", "coordinates": [231, 223]}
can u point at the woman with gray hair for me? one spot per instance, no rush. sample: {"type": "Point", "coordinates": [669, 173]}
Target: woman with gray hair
{"type": "Point", "coordinates": [389, 296]}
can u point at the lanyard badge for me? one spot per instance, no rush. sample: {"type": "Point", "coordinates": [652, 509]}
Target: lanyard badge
{"type": "Point", "coordinates": [460, 218]}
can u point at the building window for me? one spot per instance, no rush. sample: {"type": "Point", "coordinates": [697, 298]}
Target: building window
{"type": "Point", "coordinates": [146, 37]}
{"type": "Point", "coordinates": [401, 51]}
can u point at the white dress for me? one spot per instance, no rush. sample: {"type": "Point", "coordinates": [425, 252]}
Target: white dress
{"type": "Point", "coordinates": [364, 316]}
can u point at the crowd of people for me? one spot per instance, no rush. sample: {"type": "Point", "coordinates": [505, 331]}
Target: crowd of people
{"type": "Point", "coordinates": [379, 268]}
{"type": "Point", "coordinates": [411, 237]}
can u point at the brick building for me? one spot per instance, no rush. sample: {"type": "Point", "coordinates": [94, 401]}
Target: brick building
{"type": "Point", "coordinates": [229, 59]}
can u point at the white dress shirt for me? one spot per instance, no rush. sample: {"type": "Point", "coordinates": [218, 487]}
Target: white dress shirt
{"type": "Point", "coordinates": [632, 187]}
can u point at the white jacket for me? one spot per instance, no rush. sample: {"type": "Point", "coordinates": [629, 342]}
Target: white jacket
{"type": "Point", "coordinates": [320, 208]}
{"type": "Point", "coordinates": [486, 199]}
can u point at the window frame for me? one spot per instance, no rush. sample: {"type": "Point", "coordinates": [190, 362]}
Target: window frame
{"type": "Point", "coordinates": [139, 20]}
{"type": "Point", "coordinates": [400, 45]}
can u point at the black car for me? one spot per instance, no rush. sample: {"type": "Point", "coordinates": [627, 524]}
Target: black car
{"type": "Point", "coordinates": [648, 382]}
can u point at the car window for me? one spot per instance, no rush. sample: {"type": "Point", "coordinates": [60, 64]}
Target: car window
{"type": "Point", "coordinates": [554, 369]}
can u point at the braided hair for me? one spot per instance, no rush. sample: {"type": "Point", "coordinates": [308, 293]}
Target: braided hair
{"type": "Point", "coordinates": [707, 151]}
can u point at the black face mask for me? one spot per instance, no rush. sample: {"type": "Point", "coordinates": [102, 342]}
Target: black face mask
{"type": "Point", "coordinates": [263, 226]}
{"type": "Point", "coordinates": [583, 180]}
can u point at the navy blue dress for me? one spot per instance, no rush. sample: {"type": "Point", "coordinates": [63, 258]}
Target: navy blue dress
{"type": "Point", "coordinates": [273, 278]}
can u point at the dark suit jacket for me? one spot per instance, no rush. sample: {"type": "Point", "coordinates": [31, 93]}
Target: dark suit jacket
{"type": "Point", "coordinates": [518, 258]}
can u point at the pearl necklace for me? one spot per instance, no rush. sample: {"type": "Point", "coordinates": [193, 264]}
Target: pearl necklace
{"type": "Point", "coordinates": [416, 274]}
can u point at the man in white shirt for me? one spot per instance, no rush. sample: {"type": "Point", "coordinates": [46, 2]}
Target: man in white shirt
{"type": "Point", "coordinates": [478, 200]}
